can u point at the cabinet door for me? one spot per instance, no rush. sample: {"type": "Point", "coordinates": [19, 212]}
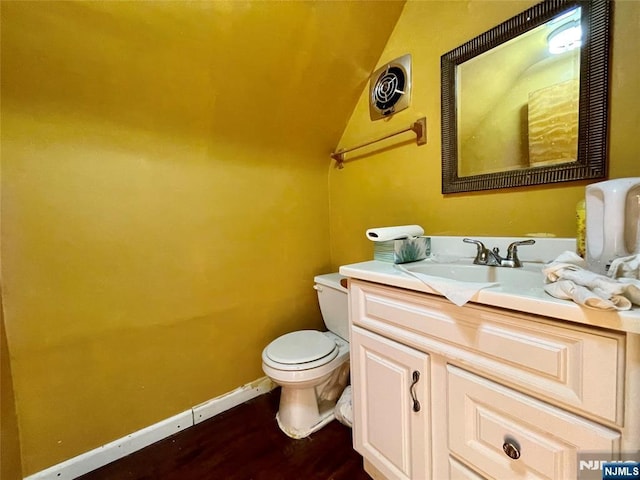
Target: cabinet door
{"type": "Point", "coordinates": [391, 405]}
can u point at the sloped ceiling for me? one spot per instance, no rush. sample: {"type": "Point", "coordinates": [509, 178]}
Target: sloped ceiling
{"type": "Point", "coordinates": [277, 74]}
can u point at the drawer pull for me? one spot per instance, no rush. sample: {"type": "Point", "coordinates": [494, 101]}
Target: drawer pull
{"type": "Point", "coordinates": [416, 403]}
{"type": "Point", "coordinates": [512, 449]}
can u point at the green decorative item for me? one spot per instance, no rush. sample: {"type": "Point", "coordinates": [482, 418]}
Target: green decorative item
{"type": "Point", "coordinates": [402, 251]}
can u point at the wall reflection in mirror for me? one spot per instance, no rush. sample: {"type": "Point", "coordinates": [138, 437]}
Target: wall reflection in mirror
{"type": "Point", "coordinates": [523, 95]}
{"type": "Point", "coordinates": [512, 100]}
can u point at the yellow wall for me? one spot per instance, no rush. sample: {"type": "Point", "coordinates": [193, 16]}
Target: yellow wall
{"type": "Point", "coordinates": [164, 189]}
{"type": "Point", "coordinates": [165, 202]}
{"type": "Point", "coordinates": [402, 184]}
{"type": "Point", "coordinates": [10, 465]}
{"type": "Point", "coordinates": [10, 461]}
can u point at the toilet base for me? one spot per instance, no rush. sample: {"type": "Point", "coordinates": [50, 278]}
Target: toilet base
{"type": "Point", "coordinates": [305, 410]}
{"type": "Point", "coordinates": [324, 416]}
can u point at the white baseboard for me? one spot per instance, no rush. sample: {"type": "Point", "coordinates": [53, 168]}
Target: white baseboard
{"type": "Point", "coordinates": [229, 400]}
{"type": "Point", "coordinates": [98, 457]}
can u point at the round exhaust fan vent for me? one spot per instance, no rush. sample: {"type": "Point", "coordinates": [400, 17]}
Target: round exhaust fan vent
{"type": "Point", "coordinates": [390, 88]}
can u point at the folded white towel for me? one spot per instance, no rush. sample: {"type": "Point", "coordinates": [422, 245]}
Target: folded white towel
{"type": "Point", "coordinates": [627, 267]}
{"type": "Point", "coordinates": [568, 279]}
{"type": "Point", "coordinates": [384, 234]}
{"type": "Point", "coordinates": [458, 292]}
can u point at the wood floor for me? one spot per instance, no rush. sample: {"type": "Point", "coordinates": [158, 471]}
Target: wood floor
{"type": "Point", "coordinates": [243, 443]}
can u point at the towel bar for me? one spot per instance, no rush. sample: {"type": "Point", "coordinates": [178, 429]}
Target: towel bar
{"type": "Point", "coordinates": [419, 127]}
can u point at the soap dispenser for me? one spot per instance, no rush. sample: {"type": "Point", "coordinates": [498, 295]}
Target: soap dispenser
{"type": "Point", "coordinates": [613, 221]}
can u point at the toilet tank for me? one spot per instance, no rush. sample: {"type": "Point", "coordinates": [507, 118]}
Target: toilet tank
{"type": "Point", "coordinates": [332, 297]}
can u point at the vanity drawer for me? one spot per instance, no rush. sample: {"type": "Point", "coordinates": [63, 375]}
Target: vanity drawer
{"type": "Point", "coordinates": [458, 471]}
{"type": "Point", "coordinates": [576, 366]}
{"type": "Point", "coordinates": [505, 434]}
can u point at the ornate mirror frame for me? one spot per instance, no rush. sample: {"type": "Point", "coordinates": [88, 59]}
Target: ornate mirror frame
{"type": "Point", "coordinates": [591, 160]}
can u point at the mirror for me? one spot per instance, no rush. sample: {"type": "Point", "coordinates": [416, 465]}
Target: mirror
{"type": "Point", "coordinates": [526, 103]}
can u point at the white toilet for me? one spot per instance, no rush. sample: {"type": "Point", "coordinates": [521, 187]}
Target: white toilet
{"type": "Point", "coordinates": [312, 367]}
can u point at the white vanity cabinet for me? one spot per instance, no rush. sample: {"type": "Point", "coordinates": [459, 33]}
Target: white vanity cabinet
{"type": "Point", "coordinates": [501, 394]}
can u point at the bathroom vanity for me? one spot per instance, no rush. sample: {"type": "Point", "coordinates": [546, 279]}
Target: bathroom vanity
{"type": "Point", "coordinates": [513, 384]}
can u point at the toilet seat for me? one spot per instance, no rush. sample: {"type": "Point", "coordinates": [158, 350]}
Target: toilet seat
{"type": "Point", "coordinates": [301, 350]}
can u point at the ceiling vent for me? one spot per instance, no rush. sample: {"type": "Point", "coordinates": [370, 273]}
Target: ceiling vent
{"type": "Point", "coordinates": [390, 88]}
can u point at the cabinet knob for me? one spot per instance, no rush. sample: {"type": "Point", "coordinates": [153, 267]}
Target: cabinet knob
{"type": "Point", "coordinates": [416, 403]}
{"type": "Point", "coordinates": [512, 449]}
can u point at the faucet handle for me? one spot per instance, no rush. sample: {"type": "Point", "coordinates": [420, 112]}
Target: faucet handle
{"type": "Point", "coordinates": [482, 254]}
{"type": "Point", "coordinates": [512, 251]}
{"type": "Point", "coordinates": [471, 240]}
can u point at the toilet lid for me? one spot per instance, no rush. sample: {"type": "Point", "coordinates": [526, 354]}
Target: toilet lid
{"type": "Point", "coordinates": [300, 347]}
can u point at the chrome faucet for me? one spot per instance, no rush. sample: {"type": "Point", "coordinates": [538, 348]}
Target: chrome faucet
{"type": "Point", "coordinates": [493, 258]}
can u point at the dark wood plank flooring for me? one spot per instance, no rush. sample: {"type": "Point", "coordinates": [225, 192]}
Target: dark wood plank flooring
{"type": "Point", "coordinates": [243, 443]}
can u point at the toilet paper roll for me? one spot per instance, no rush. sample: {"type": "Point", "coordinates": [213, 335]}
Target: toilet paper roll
{"type": "Point", "coordinates": [384, 234]}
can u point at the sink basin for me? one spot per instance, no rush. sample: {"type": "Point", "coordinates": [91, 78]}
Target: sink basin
{"type": "Point", "coordinates": [527, 276]}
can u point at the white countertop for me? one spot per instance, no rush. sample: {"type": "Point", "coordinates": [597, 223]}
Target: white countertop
{"type": "Point", "coordinates": [532, 300]}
